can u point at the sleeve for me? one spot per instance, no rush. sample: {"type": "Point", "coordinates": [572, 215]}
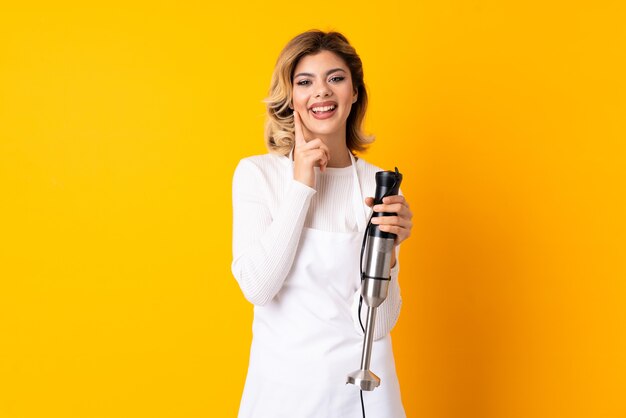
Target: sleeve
{"type": "Point", "coordinates": [264, 246]}
{"type": "Point", "coordinates": [388, 312]}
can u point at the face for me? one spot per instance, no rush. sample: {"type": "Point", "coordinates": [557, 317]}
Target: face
{"type": "Point", "coordinates": [323, 94]}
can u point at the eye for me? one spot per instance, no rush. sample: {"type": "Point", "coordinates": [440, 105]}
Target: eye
{"type": "Point", "coordinates": [337, 79]}
{"type": "Point", "coordinates": [303, 82]}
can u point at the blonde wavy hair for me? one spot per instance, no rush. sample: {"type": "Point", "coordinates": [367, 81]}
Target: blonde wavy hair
{"type": "Point", "coordinates": [279, 128]}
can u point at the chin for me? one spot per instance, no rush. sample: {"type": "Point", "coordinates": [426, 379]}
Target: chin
{"type": "Point", "coordinates": [318, 128]}
{"type": "Point", "coordinates": [324, 132]}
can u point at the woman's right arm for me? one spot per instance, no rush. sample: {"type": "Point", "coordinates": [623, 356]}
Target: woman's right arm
{"type": "Point", "coordinates": [265, 243]}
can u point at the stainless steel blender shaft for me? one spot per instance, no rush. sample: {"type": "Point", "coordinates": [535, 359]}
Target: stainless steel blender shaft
{"type": "Point", "coordinates": [374, 288]}
{"type": "Point", "coordinates": [366, 355]}
{"type": "Point", "coordinates": [363, 377]}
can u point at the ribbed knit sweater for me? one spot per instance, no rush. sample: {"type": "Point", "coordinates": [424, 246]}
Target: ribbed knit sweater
{"type": "Point", "coordinates": [270, 210]}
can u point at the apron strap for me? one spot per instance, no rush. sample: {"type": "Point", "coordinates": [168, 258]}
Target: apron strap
{"type": "Point", "coordinates": [357, 196]}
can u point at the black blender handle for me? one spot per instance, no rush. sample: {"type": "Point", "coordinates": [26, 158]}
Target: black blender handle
{"type": "Point", "coordinates": [387, 184]}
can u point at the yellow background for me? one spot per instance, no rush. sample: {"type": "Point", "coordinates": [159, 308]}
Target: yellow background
{"type": "Point", "coordinates": [120, 127]}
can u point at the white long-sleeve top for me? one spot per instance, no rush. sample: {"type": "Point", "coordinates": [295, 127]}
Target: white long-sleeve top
{"type": "Point", "coordinates": [270, 210]}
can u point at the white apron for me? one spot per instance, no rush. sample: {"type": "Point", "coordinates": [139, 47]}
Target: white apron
{"type": "Point", "coordinates": [304, 340]}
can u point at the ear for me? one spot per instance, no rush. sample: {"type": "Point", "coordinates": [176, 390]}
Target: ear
{"type": "Point", "coordinates": [355, 96]}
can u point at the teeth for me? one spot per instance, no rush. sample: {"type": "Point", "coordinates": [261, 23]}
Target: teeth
{"type": "Point", "coordinates": [323, 108]}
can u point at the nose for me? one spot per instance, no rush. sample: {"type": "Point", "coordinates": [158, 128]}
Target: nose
{"type": "Point", "coordinates": [323, 91]}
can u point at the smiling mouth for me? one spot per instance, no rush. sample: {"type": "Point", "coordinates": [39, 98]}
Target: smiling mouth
{"type": "Point", "coordinates": [323, 109]}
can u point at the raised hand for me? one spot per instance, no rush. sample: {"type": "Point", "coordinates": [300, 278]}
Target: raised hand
{"type": "Point", "coordinates": [307, 155]}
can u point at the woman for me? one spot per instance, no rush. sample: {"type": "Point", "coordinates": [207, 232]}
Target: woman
{"type": "Point", "coordinates": [299, 215]}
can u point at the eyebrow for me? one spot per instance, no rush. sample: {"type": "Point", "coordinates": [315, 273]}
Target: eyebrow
{"type": "Point", "coordinates": [334, 70]}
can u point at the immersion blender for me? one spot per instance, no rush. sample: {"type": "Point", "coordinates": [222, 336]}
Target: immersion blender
{"type": "Point", "coordinates": [375, 275]}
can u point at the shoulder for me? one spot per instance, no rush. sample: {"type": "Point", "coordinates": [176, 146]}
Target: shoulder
{"type": "Point", "coordinates": [367, 169]}
{"type": "Point", "coordinates": [367, 176]}
{"type": "Point", "coordinates": [263, 161]}
{"type": "Point", "coordinates": [261, 172]}
{"type": "Point", "coordinates": [261, 164]}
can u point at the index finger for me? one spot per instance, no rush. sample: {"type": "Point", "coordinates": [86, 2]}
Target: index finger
{"type": "Point", "coordinates": [395, 199]}
{"type": "Point", "coordinates": [299, 133]}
